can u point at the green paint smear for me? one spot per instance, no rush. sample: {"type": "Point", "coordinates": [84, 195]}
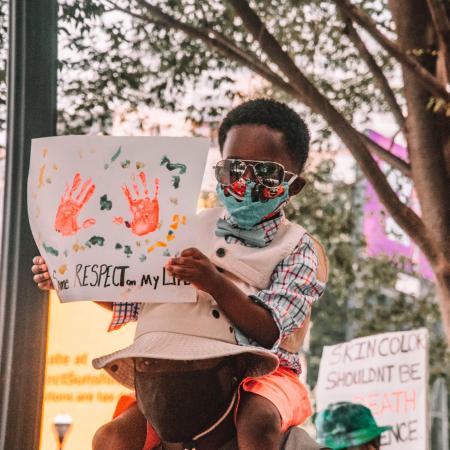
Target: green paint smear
{"type": "Point", "coordinates": [142, 258]}
{"type": "Point", "coordinates": [116, 155]}
{"type": "Point", "coordinates": [50, 250]}
{"type": "Point", "coordinates": [125, 164]}
{"type": "Point", "coordinates": [95, 240]}
{"type": "Point", "coordinates": [176, 181]}
{"type": "Point", "coordinates": [127, 250]}
{"type": "Point", "coordinates": [173, 166]}
{"type": "Point", "coordinates": [118, 246]}
{"type": "Point", "coordinates": [105, 203]}
{"type": "Point", "coordinates": [170, 232]}
{"type": "Point", "coordinates": [166, 252]}
{"type": "Point", "coordinates": [113, 157]}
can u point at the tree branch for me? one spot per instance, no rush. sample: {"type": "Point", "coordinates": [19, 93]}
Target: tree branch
{"type": "Point", "coordinates": [441, 23]}
{"type": "Point", "coordinates": [230, 50]}
{"type": "Point", "coordinates": [430, 82]}
{"type": "Point", "coordinates": [403, 215]}
{"type": "Point", "coordinates": [377, 73]}
{"type": "Point", "coordinates": [387, 156]}
{"type": "Point", "coordinates": [213, 40]}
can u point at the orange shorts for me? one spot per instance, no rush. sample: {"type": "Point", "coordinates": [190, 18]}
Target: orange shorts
{"type": "Point", "coordinates": [282, 387]}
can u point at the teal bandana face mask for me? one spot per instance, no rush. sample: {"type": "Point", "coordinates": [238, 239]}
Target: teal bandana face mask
{"type": "Point", "coordinates": [247, 211]}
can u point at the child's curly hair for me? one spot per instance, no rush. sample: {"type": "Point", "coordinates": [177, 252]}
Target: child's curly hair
{"type": "Point", "coordinates": [275, 115]}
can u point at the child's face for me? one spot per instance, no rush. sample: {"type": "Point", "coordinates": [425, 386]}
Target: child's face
{"type": "Point", "coordinates": [258, 143]}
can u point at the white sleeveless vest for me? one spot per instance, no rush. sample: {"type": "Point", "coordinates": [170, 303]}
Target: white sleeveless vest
{"type": "Point", "coordinates": [249, 268]}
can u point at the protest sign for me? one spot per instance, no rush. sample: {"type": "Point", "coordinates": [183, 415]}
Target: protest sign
{"type": "Point", "coordinates": [107, 212]}
{"type": "Point", "coordinates": [386, 372]}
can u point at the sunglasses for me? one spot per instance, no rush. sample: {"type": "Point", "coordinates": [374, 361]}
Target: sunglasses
{"type": "Point", "coordinates": [268, 173]}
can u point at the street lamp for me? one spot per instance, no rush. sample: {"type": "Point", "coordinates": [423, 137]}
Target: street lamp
{"type": "Point", "coordinates": [61, 424]}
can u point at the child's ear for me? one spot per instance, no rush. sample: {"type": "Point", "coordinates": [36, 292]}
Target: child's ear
{"type": "Point", "coordinates": [297, 185]}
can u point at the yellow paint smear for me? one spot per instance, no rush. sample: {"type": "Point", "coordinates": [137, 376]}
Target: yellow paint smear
{"type": "Point", "coordinates": [62, 269]}
{"type": "Point", "coordinates": [77, 247]}
{"type": "Point", "coordinates": [175, 220]}
{"type": "Point", "coordinates": [44, 152]}
{"type": "Point", "coordinates": [41, 176]}
{"type": "Point", "coordinates": [169, 237]}
{"type": "Point", "coordinates": [55, 167]}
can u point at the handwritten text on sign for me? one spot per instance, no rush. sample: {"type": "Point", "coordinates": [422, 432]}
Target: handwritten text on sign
{"type": "Point", "coordinates": [389, 374]}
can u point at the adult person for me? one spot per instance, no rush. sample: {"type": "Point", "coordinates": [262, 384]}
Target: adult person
{"type": "Point", "coordinates": [348, 426]}
{"type": "Point", "coordinates": [186, 369]}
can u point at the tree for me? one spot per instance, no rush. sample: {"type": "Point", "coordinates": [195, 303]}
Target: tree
{"type": "Point", "coordinates": [343, 60]}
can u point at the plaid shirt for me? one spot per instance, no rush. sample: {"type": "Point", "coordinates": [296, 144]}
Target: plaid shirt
{"type": "Point", "coordinates": [293, 289]}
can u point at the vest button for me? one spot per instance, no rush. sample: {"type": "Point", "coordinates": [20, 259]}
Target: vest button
{"type": "Point", "coordinates": [219, 269]}
{"type": "Point", "coordinates": [114, 368]}
{"type": "Point", "coordinates": [220, 252]}
{"type": "Point", "coordinates": [216, 313]}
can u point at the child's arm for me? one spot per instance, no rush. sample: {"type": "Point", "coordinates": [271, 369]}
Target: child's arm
{"type": "Point", "coordinates": [42, 278]}
{"type": "Point", "coordinates": [252, 319]}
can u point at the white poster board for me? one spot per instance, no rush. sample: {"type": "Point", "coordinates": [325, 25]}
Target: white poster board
{"type": "Point", "coordinates": [107, 212]}
{"type": "Point", "coordinates": [386, 372]}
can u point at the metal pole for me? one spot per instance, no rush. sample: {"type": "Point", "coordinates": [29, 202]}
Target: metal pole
{"type": "Point", "coordinates": [23, 309]}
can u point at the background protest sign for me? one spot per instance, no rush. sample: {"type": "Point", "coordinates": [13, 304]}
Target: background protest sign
{"type": "Point", "coordinates": [389, 374]}
{"type": "Point", "coordinates": [107, 212]}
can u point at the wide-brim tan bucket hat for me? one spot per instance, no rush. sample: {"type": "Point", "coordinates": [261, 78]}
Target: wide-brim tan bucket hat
{"type": "Point", "coordinates": [181, 332]}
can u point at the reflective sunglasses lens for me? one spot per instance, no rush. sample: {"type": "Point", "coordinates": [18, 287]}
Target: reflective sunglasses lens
{"type": "Point", "coordinates": [269, 174]}
{"type": "Point", "coordinates": [222, 172]}
{"type": "Point", "coordinates": [237, 169]}
{"type": "Point", "coordinates": [229, 170]}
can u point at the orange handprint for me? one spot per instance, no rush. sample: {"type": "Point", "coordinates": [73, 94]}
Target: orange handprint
{"type": "Point", "coordinates": [69, 207]}
{"type": "Point", "coordinates": [145, 210]}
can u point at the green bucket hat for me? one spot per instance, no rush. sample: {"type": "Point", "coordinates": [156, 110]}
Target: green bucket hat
{"type": "Point", "coordinates": [344, 424]}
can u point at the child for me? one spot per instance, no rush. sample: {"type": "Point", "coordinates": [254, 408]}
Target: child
{"type": "Point", "coordinates": [266, 271]}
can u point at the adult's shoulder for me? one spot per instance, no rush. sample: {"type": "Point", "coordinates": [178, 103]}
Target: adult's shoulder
{"type": "Point", "coordinates": [298, 439]}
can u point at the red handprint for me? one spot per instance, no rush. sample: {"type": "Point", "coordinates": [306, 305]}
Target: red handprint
{"type": "Point", "coordinates": [145, 210]}
{"type": "Point", "coordinates": [69, 207]}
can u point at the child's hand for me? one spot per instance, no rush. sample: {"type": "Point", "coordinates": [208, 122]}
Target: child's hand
{"type": "Point", "coordinates": [193, 266]}
{"type": "Point", "coordinates": [41, 277]}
